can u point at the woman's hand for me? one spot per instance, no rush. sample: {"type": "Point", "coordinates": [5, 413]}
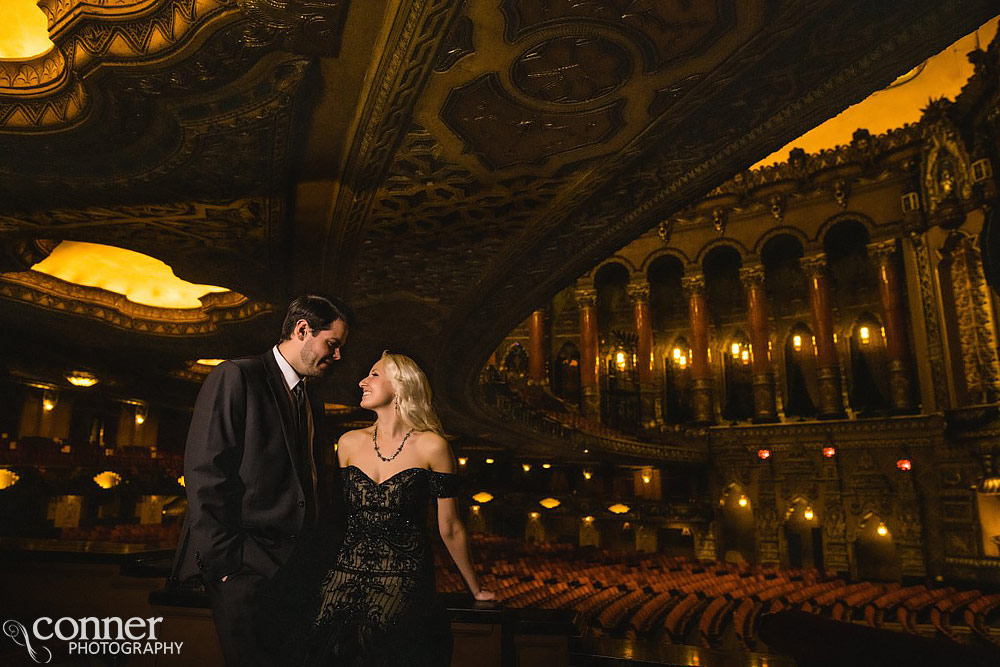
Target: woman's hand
{"type": "Point", "coordinates": [484, 596]}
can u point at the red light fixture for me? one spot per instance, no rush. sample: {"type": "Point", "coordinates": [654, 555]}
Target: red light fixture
{"type": "Point", "coordinates": [763, 454]}
{"type": "Point", "coordinates": [904, 465]}
{"type": "Point", "coordinates": [829, 452]}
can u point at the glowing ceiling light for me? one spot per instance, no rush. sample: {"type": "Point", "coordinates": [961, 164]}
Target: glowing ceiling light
{"type": "Point", "coordinates": [618, 508]}
{"type": "Point", "coordinates": [24, 32]}
{"type": "Point", "coordinates": [107, 479]}
{"type": "Point", "coordinates": [140, 278]}
{"type": "Point", "coordinates": [546, 466]}
{"type": "Point", "coordinates": [550, 503]}
{"type": "Point", "coordinates": [490, 461]}
{"type": "Point", "coordinates": [882, 530]}
{"type": "Point", "coordinates": [209, 362]}
{"type": "Point", "coordinates": [81, 379]}
{"type": "Point", "coordinates": [482, 497]}
{"type": "Point", "coordinates": [8, 478]}
{"type": "Point", "coordinates": [797, 342]}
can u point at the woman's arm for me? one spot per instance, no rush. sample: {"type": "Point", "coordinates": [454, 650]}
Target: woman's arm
{"type": "Point", "coordinates": [450, 523]}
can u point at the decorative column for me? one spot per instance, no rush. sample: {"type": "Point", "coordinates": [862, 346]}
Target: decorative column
{"type": "Point", "coordinates": [586, 300]}
{"type": "Point", "coordinates": [701, 370]}
{"type": "Point", "coordinates": [536, 348]}
{"type": "Point", "coordinates": [638, 294]}
{"type": "Point", "coordinates": [894, 318]}
{"type": "Point", "coordinates": [764, 409]}
{"type": "Point", "coordinates": [831, 405]}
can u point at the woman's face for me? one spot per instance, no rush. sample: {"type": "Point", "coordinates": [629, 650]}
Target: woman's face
{"type": "Point", "coordinates": [376, 390]}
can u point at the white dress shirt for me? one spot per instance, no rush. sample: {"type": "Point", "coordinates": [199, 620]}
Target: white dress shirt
{"type": "Point", "coordinates": [292, 378]}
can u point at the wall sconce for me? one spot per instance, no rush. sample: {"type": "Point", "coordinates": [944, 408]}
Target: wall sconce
{"type": "Point", "coordinates": [865, 335]}
{"type": "Point", "coordinates": [180, 480]}
{"type": "Point", "coordinates": [745, 356]}
{"type": "Point", "coordinates": [834, 336]}
{"type": "Point", "coordinates": [647, 475]}
{"type": "Point", "coordinates": [808, 514]}
{"type": "Point", "coordinates": [81, 379]}
{"type": "Point", "coordinates": [620, 360]}
{"type": "Point", "coordinates": [588, 519]}
{"type": "Point", "coordinates": [763, 454]}
{"type": "Point", "coordinates": [534, 516]}
{"type": "Point", "coordinates": [618, 508]}
{"type": "Point", "coordinates": [736, 349]}
{"type": "Point", "coordinates": [743, 501]}
{"type": "Point", "coordinates": [682, 361]}
{"type": "Point", "coordinates": [677, 353]}
{"type": "Point", "coordinates": [829, 452]}
{"type": "Point", "coordinates": [474, 508]}
{"type": "Point", "coordinates": [904, 464]}
{"type": "Point", "coordinates": [546, 466]}
{"type": "Point", "coordinates": [587, 474]}
{"type": "Point", "coordinates": [462, 461]}
{"type": "Point", "coordinates": [141, 412]}
{"type": "Point", "coordinates": [550, 503]}
{"type": "Point", "coordinates": [526, 467]}
{"type": "Point", "coordinates": [482, 497]}
{"type": "Point", "coordinates": [797, 343]}
{"type": "Point", "coordinates": [107, 479]}
{"type": "Point", "coordinates": [489, 461]}
{"type": "Point", "coordinates": [50, 398]}
{"type": "Point", "coordinates": [882, 530]}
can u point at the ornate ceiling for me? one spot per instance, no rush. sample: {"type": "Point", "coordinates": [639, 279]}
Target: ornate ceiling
{"type": "Point", "coordinates": [445, 165]}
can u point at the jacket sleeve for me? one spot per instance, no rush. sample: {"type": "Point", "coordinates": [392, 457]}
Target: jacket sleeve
{"type": "Point", "coordinates": [212, 459]}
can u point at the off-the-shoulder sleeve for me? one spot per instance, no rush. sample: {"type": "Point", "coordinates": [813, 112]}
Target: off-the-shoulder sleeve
{"type": "Point", "coordinates": [444, 484]}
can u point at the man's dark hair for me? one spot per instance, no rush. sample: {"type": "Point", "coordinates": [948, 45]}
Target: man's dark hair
{"type": "Point", "coordinates": [319, 312]}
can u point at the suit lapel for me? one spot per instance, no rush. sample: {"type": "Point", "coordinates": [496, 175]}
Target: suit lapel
{"type": "Point", "coordinates": [279, 393]}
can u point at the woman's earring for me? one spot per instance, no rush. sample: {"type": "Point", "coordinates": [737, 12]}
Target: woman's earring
{"type": "Point", "coordinates": [396, 401]}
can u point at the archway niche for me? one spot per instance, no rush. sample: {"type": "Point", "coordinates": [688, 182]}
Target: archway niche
{"type": "Point", "coordinates": [852, 275]}
{"type": "Point", "coordinates": [803, 535]}
{"type": "Point", "coordinates": [801, 381]}
{"type": "Point", "coordinates": [618, 346]}
{"type": "Point", "coordinates": [875, 552]}
{"type": "Point", "coordinates": [566, 373]}
{"type": "Point", "coordinates": [736, 540]}
{"type": "Point", "coordinates": [784, 279]}
{"type": "Point", "coordinates": [677, 407]}
{"type": "Point", "coordinates": [515, 362]}
{"type": "Point", "coordinates": [738, 379]}
{"type": "Point", "coordinates": [726, 297]}
{"type": "Point", "coordinates": [869, 379]}
{"type": "Point", "coordinates": [667, 304]}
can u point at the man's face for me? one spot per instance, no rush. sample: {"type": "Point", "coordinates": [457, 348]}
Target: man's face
{"type": "Point", "coordinates": [320, 351]}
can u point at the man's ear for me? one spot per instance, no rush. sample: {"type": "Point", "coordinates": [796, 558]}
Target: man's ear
{"type": "Point", "coordinates": [301, 329]}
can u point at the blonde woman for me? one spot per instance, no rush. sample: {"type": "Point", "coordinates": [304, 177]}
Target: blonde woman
{"type": "Point", "coordinates": [378, 605]}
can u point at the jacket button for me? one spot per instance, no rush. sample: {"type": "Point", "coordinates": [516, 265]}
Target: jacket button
{"type": "Point", "coordinates": [302, 503]}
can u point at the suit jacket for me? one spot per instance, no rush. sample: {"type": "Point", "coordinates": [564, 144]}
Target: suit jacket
{"type": "Point", "coordinates": [246, 505]}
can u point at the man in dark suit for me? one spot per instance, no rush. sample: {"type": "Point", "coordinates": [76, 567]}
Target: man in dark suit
{"type": "Point", "coordinates": [252, 471]}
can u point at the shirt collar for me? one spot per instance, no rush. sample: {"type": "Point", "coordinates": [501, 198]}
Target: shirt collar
{"type": "Point", "coordinates": [287, 372]}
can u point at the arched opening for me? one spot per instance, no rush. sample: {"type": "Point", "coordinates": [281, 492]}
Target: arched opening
{"type": "Point", "coordinates": [801, 382]}
{"type": "Point", "coordinates": [566, 373]}
{"type": "Point", "coordinates": [852, 275]}
{"type": "Point", "coordinates": [738, 379]}
{"type": "Point", "coordinates": [875, 552]}
{"type": "Point", "coordinates": [803, 535]}
{"type": "Point", "coordinates": [726, 297]}
{"type": "Point", "coordinates": [784, 279]}
{"type": "Point", "coordinates": [620, 403]}
{"type": "Point", "coordinates": [869, 381]}
{"type": "Point", "coordinates": [515, 362]}
{"type": "Point", "coordinates": [677, 408]}
{"type": "Point", "coordinates": [667, 305]}
{"type": "Point", "coordinates": [737, 542]}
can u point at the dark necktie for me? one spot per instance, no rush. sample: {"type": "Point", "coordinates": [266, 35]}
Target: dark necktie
{"type": "Point", "coordinates": [304, 450]}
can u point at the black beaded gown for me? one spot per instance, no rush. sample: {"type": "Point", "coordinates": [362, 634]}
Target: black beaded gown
{"type": "Point", "coordinates": [378, 606]}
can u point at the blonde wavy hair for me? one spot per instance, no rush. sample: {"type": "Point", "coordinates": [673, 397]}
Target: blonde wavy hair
{"type": "Point", "coordinates": [413, 393]}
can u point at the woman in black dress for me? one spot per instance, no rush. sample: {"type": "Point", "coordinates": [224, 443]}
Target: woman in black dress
{"type": "Point", "coordinates": [377, 601]}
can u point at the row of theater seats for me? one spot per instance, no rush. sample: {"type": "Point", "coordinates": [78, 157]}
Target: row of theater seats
{"type": "Point", "coordinates": [712, 604]}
